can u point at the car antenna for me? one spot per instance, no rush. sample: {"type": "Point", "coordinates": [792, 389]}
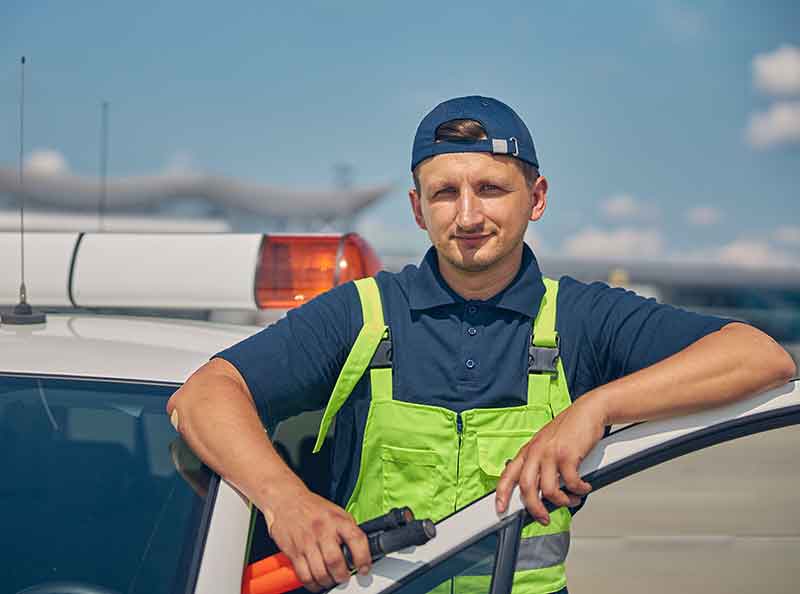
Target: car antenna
{"type": "Point", "coordinates": [22, 313]}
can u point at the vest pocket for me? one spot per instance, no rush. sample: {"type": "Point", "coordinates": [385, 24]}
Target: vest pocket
{"type": "Point", "coordinates": [494, 448]}
{"type": "Point", "coordinates": [409, 478]}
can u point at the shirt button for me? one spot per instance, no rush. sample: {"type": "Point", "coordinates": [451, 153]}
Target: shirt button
{"type": "Point", "coordinates": [472, 309]}
{"type": "Point", "coordinates": [472, 331]}
{"type": "Point", "coordinates": [470, 363]}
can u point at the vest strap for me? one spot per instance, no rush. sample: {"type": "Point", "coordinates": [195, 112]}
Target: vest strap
{"type": "Point", "coordinates": [543, 352]}
{"type": "Point", "coordinates": [381, 383]}
{"type": "Point", "coordinates": [544, 326]}
{"type": "Point", "coordinates": [371, 333]}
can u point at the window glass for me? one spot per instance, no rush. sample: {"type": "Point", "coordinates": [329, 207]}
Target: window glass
{"type": "Point", "coordinates": [90, 491]}
{"type": "Point", "coordinates": [471, 569]}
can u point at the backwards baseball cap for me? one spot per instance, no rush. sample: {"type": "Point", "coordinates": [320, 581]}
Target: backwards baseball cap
{"type": "Point", "coordinates": [507, 133]}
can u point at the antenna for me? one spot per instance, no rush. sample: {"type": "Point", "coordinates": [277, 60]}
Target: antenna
{"type": "Point", "coordinates": [22, 312]}
{"type": "Point", "coordinates": [103, 165]}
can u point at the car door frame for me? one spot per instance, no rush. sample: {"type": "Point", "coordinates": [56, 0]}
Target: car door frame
{"type": "Point", "coordinates": [622, 453]}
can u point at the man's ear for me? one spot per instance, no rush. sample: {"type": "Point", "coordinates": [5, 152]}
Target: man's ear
{"type": "Point", "coordinates": [416, 208]}
{"type": "Point", "coordinates": [538, 198]}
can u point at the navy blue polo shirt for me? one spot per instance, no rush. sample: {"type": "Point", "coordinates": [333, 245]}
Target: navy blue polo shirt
{"type": "Point", "coordinates": [452, 352]}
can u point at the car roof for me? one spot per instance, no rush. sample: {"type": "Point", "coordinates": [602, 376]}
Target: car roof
{"type": "Point", "coordinates": [115, 347]}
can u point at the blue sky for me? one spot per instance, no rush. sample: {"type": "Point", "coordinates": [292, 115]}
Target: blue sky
{"type": "Point", "coordinates": [642, 112]}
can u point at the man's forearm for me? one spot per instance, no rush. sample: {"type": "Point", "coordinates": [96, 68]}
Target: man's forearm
{"type": "Point", "coordinates": [720, 368]}
{"type": "Point", "coordinates": [218, 419]}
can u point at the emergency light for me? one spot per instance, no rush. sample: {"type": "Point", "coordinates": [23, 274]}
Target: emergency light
{"type": "Point", "coordinates": [296, 268]}
{"type": "Point", "coordinates": [184, 271]}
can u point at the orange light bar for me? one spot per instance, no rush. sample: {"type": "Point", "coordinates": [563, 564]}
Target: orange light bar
{"type": "Point", "coordinates": [294, 269]}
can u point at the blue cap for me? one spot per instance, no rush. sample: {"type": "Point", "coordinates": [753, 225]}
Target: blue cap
{"type": "Point", "coordinates": [507, 133]}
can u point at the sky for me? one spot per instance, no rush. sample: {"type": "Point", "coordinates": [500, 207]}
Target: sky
{"type": "Point", "coordinates": [665, 129]}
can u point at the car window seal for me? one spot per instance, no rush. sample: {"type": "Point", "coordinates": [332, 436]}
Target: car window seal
{"type": "Point", "coordinates": [694, 441]}
{"type": "Point", "coordinates": [202, 534]}
{"type": "Point", "coordinates": [514, 521]}
{"type": "Point", "coordinates": [505, 558]}
{"type": "Point", "coordinates": [89, 378]}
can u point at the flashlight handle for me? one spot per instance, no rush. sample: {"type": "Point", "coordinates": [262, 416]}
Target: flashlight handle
{"type": "Point", "coordinates": [381, 544]}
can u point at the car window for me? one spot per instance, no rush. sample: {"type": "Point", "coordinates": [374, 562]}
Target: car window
{"type": "Point", "coordinates": [96, 489]}
{"type": "Point", "coordinates": [470, 567]}
{"type": "Point", "coordinates": [696, 520]}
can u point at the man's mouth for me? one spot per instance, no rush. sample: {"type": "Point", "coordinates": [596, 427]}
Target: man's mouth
{"type": "Point", "coordinates": [472, 239]}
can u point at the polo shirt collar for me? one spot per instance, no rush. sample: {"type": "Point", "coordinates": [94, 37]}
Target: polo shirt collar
{"type": "Point", "coordinates": [523, 295]}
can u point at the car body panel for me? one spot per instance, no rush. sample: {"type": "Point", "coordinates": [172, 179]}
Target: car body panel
{"type": "Point", "coordinates": [223, 555]}
{"type": "Point", "coordinates": [147, 349]}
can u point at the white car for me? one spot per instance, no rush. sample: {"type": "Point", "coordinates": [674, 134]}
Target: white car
{"type": "Point", "coordinates": [99, 494]}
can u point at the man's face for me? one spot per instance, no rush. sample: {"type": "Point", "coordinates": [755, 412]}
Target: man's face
{"type": "Point", "coordinates": [475, 207]}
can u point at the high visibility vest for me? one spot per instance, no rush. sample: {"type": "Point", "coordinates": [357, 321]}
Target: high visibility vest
{"type": "Point", "coordinates": [437, 461]}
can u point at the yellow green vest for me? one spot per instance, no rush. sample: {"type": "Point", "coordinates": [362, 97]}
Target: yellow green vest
{"type": "Point", "coordinates": [436, 461]}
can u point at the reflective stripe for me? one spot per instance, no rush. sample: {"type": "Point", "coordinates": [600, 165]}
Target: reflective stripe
{"type": "Point", "coordinates": [542, 551]}
{"type": "Point", "coordinates": [536, 552]}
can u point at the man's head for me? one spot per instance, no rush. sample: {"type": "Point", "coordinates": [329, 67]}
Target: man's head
{"type": "Point", "coordinates": [476, 182]}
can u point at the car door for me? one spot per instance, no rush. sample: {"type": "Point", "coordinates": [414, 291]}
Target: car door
{"type": "Point", "coordinates": [477, 541]}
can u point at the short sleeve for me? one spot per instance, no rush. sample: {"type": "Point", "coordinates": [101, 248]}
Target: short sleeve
{"type": "Point", "coordinates": [617, 332]}
{"type": "Point", "coordinates": [291, 366]}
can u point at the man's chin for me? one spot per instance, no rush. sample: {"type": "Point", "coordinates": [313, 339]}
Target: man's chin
{"type": "Point", "coordinates": [471, 260]}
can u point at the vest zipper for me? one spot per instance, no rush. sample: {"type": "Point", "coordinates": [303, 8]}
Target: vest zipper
{"type": "Point", "coordinates": [459, 431]}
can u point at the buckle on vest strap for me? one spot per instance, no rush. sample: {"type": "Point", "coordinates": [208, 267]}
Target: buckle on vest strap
{"type": "Point", "coordinates": [543, 359]}
{"type": "Point", "coordinates": [383, 354]}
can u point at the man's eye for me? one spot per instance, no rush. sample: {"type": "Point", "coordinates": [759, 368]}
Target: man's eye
{"type": "Point", "coordinates": [490, 188]}
{"type": "Point", "coordinates": [444, 191]}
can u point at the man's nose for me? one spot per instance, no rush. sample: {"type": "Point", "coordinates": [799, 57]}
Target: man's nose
{"type": "Point", "coordinates": [470, 210]}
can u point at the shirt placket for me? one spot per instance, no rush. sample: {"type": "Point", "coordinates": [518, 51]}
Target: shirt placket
{"type": "Point", "coordinates": [469, 362]}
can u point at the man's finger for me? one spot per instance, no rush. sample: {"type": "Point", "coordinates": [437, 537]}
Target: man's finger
{"type": "Point", "coordinates": [357, 542]}
{"type": "Point", "coordinates": [549, 485]}
{"type": "Point", "coordinates": [531, 497]}
{"type": "Point", "coordinates": [572, 480]}
{"type": "Point", "coordinates": [334, 559]}
{"type": "Point", "coordinates": [303, 574]}
{"type": "Point", "coordinates": [316, 564]}
{"type": "Point", "coordinates": [509, 478]}
{"type": "Point", "coordinates": [535, 506]}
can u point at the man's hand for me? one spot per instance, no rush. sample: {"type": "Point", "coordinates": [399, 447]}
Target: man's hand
{"type": "Point", "coordinates": [554, 453]}
{"type": "Point", "coordinates": [310, 531]}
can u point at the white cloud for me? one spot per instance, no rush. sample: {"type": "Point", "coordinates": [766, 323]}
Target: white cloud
{"type": "Point", "coordinates": [753, 254]}
{"type": "Point", "coordinates": [626, 207]}
{"type": "Point", "coordinates": [778, 72]}
{"type": "Point", "coordinates": [779, 125]}
{"type": "Point", "coordinates": [46, 162]}
{"type": "Point", "coordinates": [619, 243]}
{"type": "Point", "coordinates": [788, 234]}
{"type": "Point", "coordinates": [703, 216]}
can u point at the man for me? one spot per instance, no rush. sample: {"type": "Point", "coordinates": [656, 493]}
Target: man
{"type": "Point", "coordinates": [466, 373]}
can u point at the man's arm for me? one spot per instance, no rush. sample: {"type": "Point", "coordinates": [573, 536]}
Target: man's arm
{"type": "Point", "coordinates": [215, 413]}
{"type": "Point", "coordinates": [722, 367]}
